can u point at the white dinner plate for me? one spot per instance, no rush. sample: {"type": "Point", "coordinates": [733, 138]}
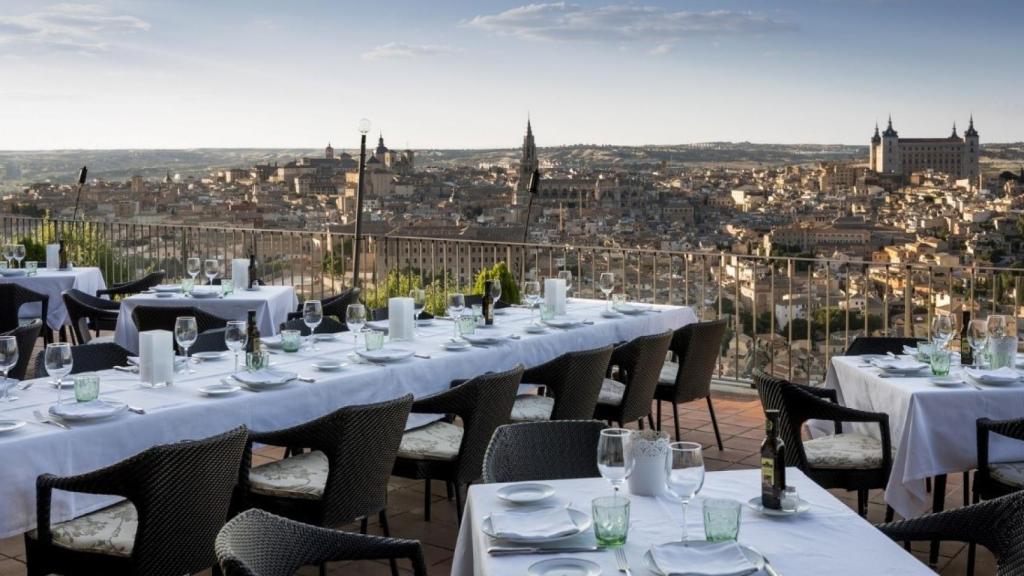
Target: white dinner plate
{"type": "Point", "coordinates": [755, 504]}
{"type": "Point", "coordinates": [535, 329]}
{"type": "Point", "coordinates": [756, 559]}
{"type": "Point", "coordinates": [10, 425]}
{"type": "Point", "coordinates": [167, 288]}
{"type": "Point", "coordinates": [264, 378]}
{"type": "Point", "coordinates": [210, 355]}
{"type": "Point", "coordinates": [633, 308]}
{"type": "Point", "coordinates": [606, 313]}
{"type": "Point", "coordinates": [564, 567]}
{"type": "Point", "coordinates": [329, 365]}
{"type": "Point", "coordinates": [221, 389]}
{"type": "Point", "coordinates": [526, 492]}
{"type": "Point", "coordinates": [947, 381]}
{"type": "Point", "coordinates": [580, 519]}
{"type": "Point", "coordinates": [205, 294]}
{"type": "Point", "coordinates": [83, 411]}
{"type": "Point", "coordinates": [456, 345]}
{"type": "Point", "coordinates": [386, 354]}
{"type": "Point", "coordinates": [564, 322]}
{"type": "Point", "coordinates": [482, 339]}
{"type": "Point", "coordinates": [166, 294]}
{"type": "Point", "coordinates": [327, 336]}
{"type": "Point", "coordinates": [12, 272]}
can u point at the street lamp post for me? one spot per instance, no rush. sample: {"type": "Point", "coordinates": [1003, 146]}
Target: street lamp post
{"type": "Point", "coordinates": [364, 127]}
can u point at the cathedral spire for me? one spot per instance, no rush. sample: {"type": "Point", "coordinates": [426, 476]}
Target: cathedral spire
{"type": "Point", "coordinates": [954, 134]}
{"type": "Point", "coordinates": [970, 128]}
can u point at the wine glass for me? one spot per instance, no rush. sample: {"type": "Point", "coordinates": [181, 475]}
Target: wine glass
{"type": "Point", "coordinates": [996, 326]}
{"type": "Point", "coordinates": [531, 290]}
{"type": "Point", "coordinates": [193, 266]}
{"type": "Point", "coordinates": [19, 253]}
{"type": "Point", "coordinates": [236, 337]}
{"type": "Point", "coordinates": [186, 331]}
{"type": "Point", "coordinates": [456, 305]}
{"type": "Point", "coordinates": [212, 269]}
{"type": "Point", "coordinates": [312, 316]}
{"type": "Point", "coordinates": [942, 330]}
{"type": "Point", "coordinates": [58, 362]}
{"type": "Point", "coordinates": [419, 302]}
{"type": "Point", "coordinates": [355, 319]}
{"type": "Point", "coordinates": [607, 284]}
{"type": "Point", "coordinates": [613, 458]}
{"type": "Point", "coordinates": [684, 476]}
{"type": "Point", "coordinates": [567, 276]}
{"type": "Point", "coordinates": [8, 253]}
{"type": "Point", "coordinates": [8, 358]}
{"type": "Point", "coordinates": [977, 337]}
{"type": "Point", "coordinates": [496, 291]}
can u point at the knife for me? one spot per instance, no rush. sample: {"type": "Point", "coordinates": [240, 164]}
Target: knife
{"type": "Point", "coordinates": [512, 550]}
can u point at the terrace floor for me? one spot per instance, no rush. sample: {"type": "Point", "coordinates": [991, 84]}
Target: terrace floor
{"type": "Point", "coordinates": [741, 424]}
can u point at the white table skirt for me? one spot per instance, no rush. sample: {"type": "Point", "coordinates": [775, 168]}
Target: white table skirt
{"type": "Point", "coordinates": [179, 412]}
{"type": "Point", "coordinates": [828, 539]}
{"type": "Point", "coordinates": [933, 429]}
{"type": "Point", "coordinates": [271, 303]}
{"type": "Point", "coordinates": [52, 283]}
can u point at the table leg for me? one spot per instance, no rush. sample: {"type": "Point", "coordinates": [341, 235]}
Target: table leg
{"type": "Point", "coordinates": [938, 504]}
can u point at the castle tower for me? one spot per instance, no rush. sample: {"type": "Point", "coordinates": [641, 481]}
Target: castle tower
{"type": "Point", "coordinates": [528, 164]}
{"type": "Point", "coordinates": [329, 152]}
{"type": "Point", "coordinates": [971, 152]}
{"type": "Point", "coordinates": [889, 158]}
{"type": "Point", "coordinates": [876, 144]}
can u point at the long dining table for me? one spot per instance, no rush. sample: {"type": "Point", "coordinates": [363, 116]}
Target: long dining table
{"type": "Point", "coordinates": [179, 411]}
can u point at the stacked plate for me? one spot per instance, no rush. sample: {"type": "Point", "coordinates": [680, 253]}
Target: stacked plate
{"type": "Point", "coordinates": [483, 339]}
{"type": "Point", "coordinates": [205, 292]}
{"type": "Point", "coordinates": [536, 525]}
{"type": "Point", "coordinates": [85, 411]}
{"type": "Point", "coordinates": [264, 378]}
{"type": "Point", "coordinates": [633, 308]}
{"type": "Point", "coordinates": [170, 288]}
{"type": "Point", "coordinates": [11, 272]}
{"type": "Point", "coordinates": [1004, 376]}
{"type": "Point", "coordinates": [564, 321]}
{"type": "Point", "coordinates": [899, 366]}
{"type": "Point", "coordinates": [385, 354]}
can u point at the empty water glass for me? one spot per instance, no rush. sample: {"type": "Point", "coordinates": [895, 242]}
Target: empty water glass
{"type": "Point", "coordinates": [236, 337]}
{"type": "Point", "coordinates": [312, 316]}
{"type": "Point", "coordinates": [977, 337]}
{"type": "Point", "coordinates": [19, 253]}
{"type": "Point", "coordinates": [355, 319]}
{"type": "Point", "coordinates": [567, 276]}
{"type": "Point", "coordinates": [607, 284]}
{"type": "Point", "coordinates": [193, 267]}
{"type": "Point", "coordinates": [58, 362]}
{"type": "Point", "coordinates": [186, 332]}
{"type": "Point", "coordinates": [8, 360]}
{"type": "Point", "coordinates": [613, 461]}
{"type": "Point", "coordinates": [721, 519]}
{"type": "Point", "coordinates": [212, 269]}
{"type": "Point", "coordinates": [611, 520]}
{"type": "Point", "coordinates": [531, 291]}
{"type": "Point", "coordinates": [456, 305]}
{"type": "Point", "coordinates": [684, 473]}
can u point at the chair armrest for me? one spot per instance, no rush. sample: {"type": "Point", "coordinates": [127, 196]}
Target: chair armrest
{"type": "Point", "coordinates": [959, 524]}
{"type": "Point", "coordinates": [350, 546]}
{"type": "Point", "coordinates": [820, 409]}
{"type": "Point", "coordinates": [539, 374]}
{"type": "Point", "coordinates": [112, 480]}
{"type": "Point", "coordinates": [1009, 428]}
{"type": "Point", "coordinates": [450, 401]}
{"type": "Point", "coordinates": [829, 394]}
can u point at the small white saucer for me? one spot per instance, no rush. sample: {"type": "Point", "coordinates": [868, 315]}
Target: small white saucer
{"type": "Point", "coordinates": [210, 355]}
{"type": "Point", "coordinates": [755, 504]}
{"type": "Point", "coordinates": [526, 492]}
{"type": "Point", "coordinates": [329, 365]}
{"type": "Point", "coordinates": [10, 425]}
{"type": "Point", "coordinates": [610, 314]}
{"type": "Point", "coordinates": [947, 381]}
{"type": "Point", "coordinates": [456, 346]}
{"type": "Point", "coordinates": [219, 389]}
{"type": "Point", "coordinates": [564, 567]}
{"type": "Point", "coordinates": [535, 329]}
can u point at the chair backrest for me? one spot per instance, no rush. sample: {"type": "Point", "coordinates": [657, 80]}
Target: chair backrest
{"type": "Point", "coordinates": [258, 543]}
{"type": "Point", "coordinates": [335, 305]}
{"type": "Point", "coordinates": [163, 318]}
{"type": "Point", "coordinates": [486, 403]}
{"type": "Point", "coordinates": [327, 326]}
{"type": "Point", "coordinates": [575, 379]}
{"type": "Point", "coordinates": [12, 297]}
{"type": "Point", "coordinates": [879, 345]}
{"type": "Point", "coordinates": [135, 286]}
{"type": "Point", "coordinates": [543, 451]}
{"type": "Point", "coordinates": [26, 336]}
{"type": "Point", "coordinates": [640, 361]}
{"type": "Point", "coordinates": [697, 347]}
{"type": "Point", "coordinates": [82, 306]}
{"type": "Point", "coordinates": [90, 358]}
{"type": "Point", "coordinates": [209, 341]}
{"type": "Point", "coordinates": [789, 400]}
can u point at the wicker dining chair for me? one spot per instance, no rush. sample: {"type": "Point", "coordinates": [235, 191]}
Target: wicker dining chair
{"type": "Point", "coordinates": [879, 345]}
{"type": "Point", "coordinates": [258, 543]}
{"type": "Point", "coordinates": [133, 286]}
{"type": "Point", "coordinates": [992, 480]}
{"type": "Point", "coordinates": [88, 314]}
{"type": "Point", "coordinates": [842, 460]}
{"type": "Point", "coordinates": [378, 314]}
{"type": "Point", "coordinates": [26, 338]}
{"type": "Point", "coordinates": [572, 383]}
{"type": "Point", "coordinates": [543, 451]}
{"type": "Point", "coordinates": [444, 451]}
{"type": "Point", "coordinates": [89, 358]}
{"type": "Point", "coordinates": [639, 364]}
{"type": "Point", "coordinates": [12, 298]}
{"type": "Point", "coordinates": [327, 326]}
{"type": "Point", "coordinates": [995, 524]}
{"type": "Point", "coordinates": [164, 317]}
{"type": "Point", "coordinates": [696, 348]}
{"type": "Point", "coordinates": [332, 305]}
{"type": "Point", "coordinates": [166, 525]}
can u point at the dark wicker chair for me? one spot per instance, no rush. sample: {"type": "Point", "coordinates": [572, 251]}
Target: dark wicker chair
{"type": "Point", "coordinates": [639, 363]}
{"type": "Point", "coordinates": [817, 458]}
{"type": "Point", "coordinates": [257, 543]}
{"type": "Point", "coordinates": [327, 326]}
{"type": "Point", "coordinates": [443, 451]}
{"type": "Point", "coordinates": [344, 476]}
{"type": "Point", "coordinates": [12, 298]}
{"type": "Point", "coordinates": [571, 383]}
{"type": "Point", "coordinates": [26, 337]}
{"type": "Point", "coordinates": [879, 345]}
{"type": "Point", "coordinates": [378, 314]}
{"type": "Point", "coordinates": [995, 480]}
{"type": "Point", "coordinates": [90, 358]}
{"type": "Point", "coordinates": [332, 305]}
{"type": "Point", "coordinates": [543, 451]}
{"type": "Point", "coordinates": [133, 286]}
{"type": "Point", "coordinates": [89, 313]}
{"type": "Point", "coordinates": [178, 511]}
{"type": "Point", "coordinates": [995, 524]}
{"type": "Point", "coordinates": [164, 317]}
{"type": "Point", "coordinates": [209, 341]}
{"type": "Point", "coordinates": [696, 348]}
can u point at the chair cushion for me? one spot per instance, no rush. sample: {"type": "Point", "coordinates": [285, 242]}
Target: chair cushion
{"type": "Point", "coordinates": [532, 408]}
{"type": "Point", "coordinates": [101, 340]}
{"type": "Point", "coordinates": [1009, 473]}
{"type": "Point", "coordinates": [844, 451]}
{"type": "Point", "coordinates": [435, 441]}
{"type": "Point", "coordinates": [612, 392]}
{"type": "Point", "coordinates": [668, 374]}
{"type": "Point", "coordinates": [300, 476]}
{"type": "Point", "coordinates": [109, 531]}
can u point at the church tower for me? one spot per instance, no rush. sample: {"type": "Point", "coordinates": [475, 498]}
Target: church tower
{"type": "Point", "coordinates": [971, 151]}
{"type": "Point", "coordinates": [889, 161]}
{"type": "Point", "coordinates": [876, 144]}
{"type": "Point", "coordinates": [528, 164]}
{"type": "Point", "coordinates": [329, 152]}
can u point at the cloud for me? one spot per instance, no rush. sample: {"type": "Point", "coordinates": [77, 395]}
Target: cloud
{"type": "Point", "coordinates": [393, 50]}
{"type": "Point", "coordinates": [563, 21]}
{"type": "Point", "coordinates": [661, 49]}
{"type": "Point", "coordinates": [84, 28]}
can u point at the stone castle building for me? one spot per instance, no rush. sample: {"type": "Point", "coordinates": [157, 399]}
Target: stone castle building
{"type": "Point", "coordinates": [954, 155]}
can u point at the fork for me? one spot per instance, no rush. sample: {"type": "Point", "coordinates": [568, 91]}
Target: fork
{"type": "Point", "coordinates": [47, 420]}
{"type": "Point", "coordinates": [620, 558]}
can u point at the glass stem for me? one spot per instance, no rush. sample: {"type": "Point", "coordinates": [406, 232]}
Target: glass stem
{"type": "Point", "coordinates": [6, 387]}
{"type": "Point", "coordinates": [236, 360]}
{"type": "Point", "coordinates": [60, 387]}
{"type": "Point", "coordinates": [686, 503]}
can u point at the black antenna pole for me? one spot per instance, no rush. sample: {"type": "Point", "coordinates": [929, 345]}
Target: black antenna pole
{"type": "Point", "coordinates": [534, 182]}
{"type": "Point", "coordinates": [81, 182]}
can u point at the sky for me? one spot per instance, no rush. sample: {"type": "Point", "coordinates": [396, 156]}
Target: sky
{"type": "Point", "coordinates": [462, 74]}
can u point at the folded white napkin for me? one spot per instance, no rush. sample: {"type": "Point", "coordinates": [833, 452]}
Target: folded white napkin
{"type": "Point", "coordinates": [541, 523]}
{"type": "Point", "coordinates": [264, 376]}
{"type": "Point", "coordinates": [718, 559]}
{"type": "Point", "coordinates": [900, 365]}
{"type": "Point", "coordinates": [1004, 374]}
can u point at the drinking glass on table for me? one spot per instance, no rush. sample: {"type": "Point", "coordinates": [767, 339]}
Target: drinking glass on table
{"type": "Point", "coordinates": [613, 458]}
{"type": "Point", "coordinates": [996, 326]}
{"type": "Point", "coordinates": [419, 302]}
{"type": "Point", "coordinates": [496, 291]}
{"type": "Point", "coordinates": [456, 306]}
{"type": "Point", "coordinates": [567, 276]}
{"type": "Point", "coordinates": [607, 284]}
{"type": "Point", "coordinates": [236, 337]}
{"type": "Point", "coordinates": [19, 253]}
{"type": "Point", "coordinates": [312, 316]}
{"type": "Point", "coordinates": [193, 266]}
{"type": "Point", "coordinates": [8, 359]}
{"type": "Point", "coordinates": [355, 319]}
{"type": "Point", "coordinates": [531, 291]}
{"type": "Point", "coordinates": [977, 337]}
{"type": "Point", "coordinates": [8, 253]}
{"type": "Point", "coordinates": [942, 330]}
{"type": "Point", "coordinates": [212, 269]}
{"type": "Point", "coordinates": [186, 331]}
{"type": "Point", "coordinates": [58, 362]}
{"type": "Point", "coordinates": [684, 473]}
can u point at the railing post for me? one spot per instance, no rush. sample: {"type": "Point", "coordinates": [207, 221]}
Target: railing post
{"type": "Point", "coordinates": [908, 304]}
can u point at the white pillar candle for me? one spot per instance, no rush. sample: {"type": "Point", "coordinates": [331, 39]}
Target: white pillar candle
{"type": "Point", "coordinates": [156, 357]}
{"type": "Point", "coordinates": [53, 256]}
{"type": "Point", "coordinates": [240, 273]}
{"type": "Point", "coordinates": [554, 295]}
{"type": "Point", "coordinates": [400, 321]}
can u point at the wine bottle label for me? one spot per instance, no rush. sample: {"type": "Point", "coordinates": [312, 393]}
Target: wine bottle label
{"type": "Point", "coordinates": [767, 473]}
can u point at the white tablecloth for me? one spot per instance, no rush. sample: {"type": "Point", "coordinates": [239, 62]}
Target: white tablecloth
{"type": "Point", "coordinates": [52, 283]}
{"type": "Point", "coordinates": [179, 412]}
{"type": "Point", "coordinates": [271, 303]}
{"type": "Point", "coordinates": [828, 539]}
{"type": "Point", "coordinates": [933, 429]}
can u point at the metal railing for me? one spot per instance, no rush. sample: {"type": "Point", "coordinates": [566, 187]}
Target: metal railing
{"type": "Point", "coordinates": [787, 315]}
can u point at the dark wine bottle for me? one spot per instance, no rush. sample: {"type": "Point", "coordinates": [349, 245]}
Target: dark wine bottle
{"type": "Point", "coordinates": [252, 343]}
{"type": "Point", "coordinates": [488, 303]}
{"type": "Point", "coordinates": [966, 353]}
{"type": "Point", "coordinates": [253, 282]}
{"type": "Point", "coordinates": [62, 256]}
{"type": "Point", "coordinates": [773, 463]}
